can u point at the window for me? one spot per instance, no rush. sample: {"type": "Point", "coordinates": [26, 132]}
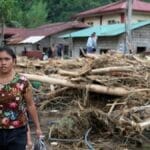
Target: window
{"type": "Point", "coordinates": [90, 23]}
{"type": "Point", "coordinates": [82, 20]}
{"type": "Point", "coordinates": [113, 22]}
{"type": "Point", "coordinates": [141, 49]}
{"type": "Point", "coordinates": [66, 51]}
{"type": "Point", "coordinates": [103, 51]}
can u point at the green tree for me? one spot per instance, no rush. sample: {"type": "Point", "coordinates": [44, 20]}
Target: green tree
{"type": "Point", "coordinates": [62, 10]}
{"type": "Point", "coordinates": [19, 17]}
{"type": "Point", "coordinates": [37, 14]}
{"type": "Point", "coordinates": [6, 10]}
{"type": "Point", "coordinates": [30, 13]}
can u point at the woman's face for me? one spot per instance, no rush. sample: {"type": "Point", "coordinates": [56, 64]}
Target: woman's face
{"type": "Point", "coordinates": [6, 62]}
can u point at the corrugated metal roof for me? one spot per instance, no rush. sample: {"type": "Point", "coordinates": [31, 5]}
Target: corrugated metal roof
{"type": "Point", "coordinates": [20, 35]}
{"type": "Point", "coordinates": [138, 5]}
{"type": "Point", "coordinates": [104, 30]}
{"type": "Point", "coordinates": [32, 39]}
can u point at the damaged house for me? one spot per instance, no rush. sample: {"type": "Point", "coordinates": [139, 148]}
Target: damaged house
{"type": "Point", "coordinates": [112, 37]}
{"type": "Point", "coordinates": [42, 37]}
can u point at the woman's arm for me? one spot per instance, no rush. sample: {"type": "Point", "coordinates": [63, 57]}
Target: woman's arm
{"type": "Point", "coordinates": [32, 109]}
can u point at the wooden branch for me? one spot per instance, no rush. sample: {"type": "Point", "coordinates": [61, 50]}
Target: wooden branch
{"type": "Point", "coordinates": [69, 73]}
{"type": "Point", "coordinates": [140, 126]}
{"type": "Point", "coordinates": [56, 93]}
{"type": "Point", "coordinates": [112, 69]}
{"type": "Point", "coordinates": [121, 103]}
{"type": "Point", "coordinates": [136, 109]}
{"type": "Point", "coordinates": [23, 65]}
{"type": "Point", "coordinates": [93, 56]}
{"type": "Point", "coordinates": [74, 74]}
{"type": "Point", "coordinates": [112, 107]}
{"type": "Point", "coordinates": [118, 91]}
{"type": "Point", "coordinates": [81, 72]}
{"type": "Point", "coordinates": [144, 124]}
{"type": "Point", "coordinates": [144, 62]}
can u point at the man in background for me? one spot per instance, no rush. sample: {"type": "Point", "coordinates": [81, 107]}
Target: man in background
{"type": "Point", "coordinates": [92, 43]}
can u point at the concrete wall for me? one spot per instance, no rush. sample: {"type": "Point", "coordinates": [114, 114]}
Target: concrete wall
{"type": "Point", "coordinates": [136, 17]}
{"type": "Point", "coordinates": [140, 17]}
{"type": "Point", "coordinates": [140, 38]}
{"type": "Point", "coordinates": [115, 17]}
{"type": "Point", "coordinates": [20, 48]}
{"type": "Point", "coordinates": [94, 20]}
{"type": "Point", "coordinates": [46, 42]}
{"type": "Point", "coordinates": [102, 43]}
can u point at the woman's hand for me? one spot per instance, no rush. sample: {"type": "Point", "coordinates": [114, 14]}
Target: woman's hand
{"type": "Point", "coordinates": [39, 133]}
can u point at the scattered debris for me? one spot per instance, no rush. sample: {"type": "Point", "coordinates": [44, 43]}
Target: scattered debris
{"type": "Point", "coordinates": [104, 98]}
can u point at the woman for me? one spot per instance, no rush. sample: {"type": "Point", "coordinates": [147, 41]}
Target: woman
{"type": "Point", "coordinates": [15, 97]}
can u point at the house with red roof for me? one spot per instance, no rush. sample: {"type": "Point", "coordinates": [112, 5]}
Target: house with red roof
{"type": "Point", "coordinates": [40, 38]}
{"type": "Point", "coordinates": [114, 13]}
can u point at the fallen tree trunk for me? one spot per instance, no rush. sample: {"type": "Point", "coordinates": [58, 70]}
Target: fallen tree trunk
{"type": "Point", "coordinates": [112, 69]}
{"type": "Point", "coordinates": [118, 91]}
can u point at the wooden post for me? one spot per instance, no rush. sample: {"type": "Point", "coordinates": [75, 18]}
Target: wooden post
{"type": "Point", "coordinates": [70, 46]}
{"type": "Point", "coordinates": [128, 46]}
{"type": "Point", "coordinates": [2, 31]}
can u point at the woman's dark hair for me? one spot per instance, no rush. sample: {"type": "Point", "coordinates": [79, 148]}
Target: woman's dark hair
{"type": "Point", "coordinates": [9, 51]}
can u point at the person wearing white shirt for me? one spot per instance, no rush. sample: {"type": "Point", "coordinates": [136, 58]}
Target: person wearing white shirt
{"type": "Point", "coordinates": [92, 43]}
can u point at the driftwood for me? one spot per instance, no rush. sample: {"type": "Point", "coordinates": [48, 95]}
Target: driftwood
{"type": "Point", "coordinates": [112, 69]}
{"type": "Point", "coordinates": [56, 92]}
{"type": "Point", "coordinates": [24, 65]}
{"type": "Point", "coordinates": [143, 62]}
{"type": "Point", "coordinates": [75, 73]}
{"type": "Point", "coordinates": [91, 87]}
{"type": "Point", "coordinates": [139, 126]}
{"type": "Point", "coordinates": [112, 74]}
{"type": "Point", "coordinates": [50, 94]}
{"type": "Point", "coordinates": [136, 109]}
{"type": "Point", "coordinates": [144, 124]}
{"type": "Point", "coordinates": [118, 91]}
{"type": "Point", "coordinates": [80, 72]}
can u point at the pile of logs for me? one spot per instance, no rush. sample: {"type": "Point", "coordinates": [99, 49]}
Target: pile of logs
{"type": "Point", "coordinates": [120, 83]}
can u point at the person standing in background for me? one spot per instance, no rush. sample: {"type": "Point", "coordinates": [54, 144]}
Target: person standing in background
{"type": "Point", "coordinates": [60, 48]}
{"type": "Point", "coordinates": [92, 43]}
{"type": "Point", "coordinates": [53, 50]}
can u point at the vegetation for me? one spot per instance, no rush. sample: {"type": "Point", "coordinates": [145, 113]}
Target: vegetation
{"type": "Point", "coordinates": [6, 8]}
{"type": "Point", "coordinates": [32, 13]}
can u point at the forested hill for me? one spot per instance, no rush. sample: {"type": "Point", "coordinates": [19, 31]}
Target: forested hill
{"type": "Point", "coordinates": [32, 13]}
